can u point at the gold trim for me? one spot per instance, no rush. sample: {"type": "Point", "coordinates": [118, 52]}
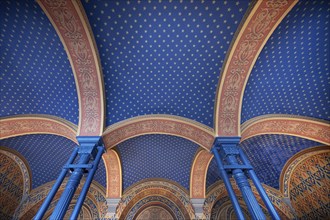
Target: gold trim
{"type": "Point", "coordinates": [106, 159]}
{"type": "Point", "coordinates": [169, 118]}
{"type": "Point", "coordinates": [91, 40]}
{"type": "Point", "coordinates": [246, 126]}
{"type": "Point", "coordinates": [47, 118]}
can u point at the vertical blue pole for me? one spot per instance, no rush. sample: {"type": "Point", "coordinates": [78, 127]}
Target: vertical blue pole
{"type": "Point", "coordinates": [86, 151]}
{"type": "Point", "coordinates": [245, 188]}
{"type": "Point", "coordinates": [70, 189]}
{"type": "Point", "coordinates": [87, 184]}
{"type": "Point", "coordinates": [260, 189]}
{"type": "Point", "coordinates": [229, 150]}
{"type": "Point", "coordinates": [54, 189]}
{"type": "Point", "coordinates": [228, 186]}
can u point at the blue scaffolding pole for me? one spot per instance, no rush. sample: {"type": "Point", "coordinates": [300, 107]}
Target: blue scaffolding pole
{"type": "Point", "coordinates": [226, 152]}
{"type": "Point", "coordinates": [90, 148]}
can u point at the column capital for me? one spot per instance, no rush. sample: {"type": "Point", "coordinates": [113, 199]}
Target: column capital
{"type": "Point", "coordinates": [227, 145]}
{"type": "Point", "coordinates": [88, 144]}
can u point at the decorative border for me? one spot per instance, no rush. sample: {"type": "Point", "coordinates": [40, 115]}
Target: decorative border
{"type": "Point", "coordinates": [304, 127]}
{"type": "Point", "coordinates": [218, 190]}
{"type": "Point", "coordinates": [114, 174]}
{"type": "Point", "coordinates": [36, 124]}
{"type": "Point", "coordinates": [71, 25]}
{"type": "Point", "coordinates": [198, 174]}
{"type": "Point", "coordinates": [160, 187]}
{"type": "Point", "coordinates": [159, 124]}
{"type": "Point", "coordinates": [261, 22]}
{"type": "Point", "coordinates": [291, 164]}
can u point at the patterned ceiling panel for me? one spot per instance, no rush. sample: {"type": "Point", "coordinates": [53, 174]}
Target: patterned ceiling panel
{"type": "Point", "coordinates": [163, 57]}
{"type": "Point", "coordinates": [157, 156]}
{"type": "Point", "coordinates": [291, 75]}
{"type": "Point", "coordinates": [267, 154]}
{"type": "Point", "coordinates": [46, 155]}
{"type": "Point", "coordinates": [36, 76]}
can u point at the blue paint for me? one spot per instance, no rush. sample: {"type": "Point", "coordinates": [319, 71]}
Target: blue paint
{"type": "Point", "coordinates": [163, 57]}
{"type": "Point", "coordinates": [157, 156]}
{"type": "Point", "coordinates": [291, 75]}
{"type": "Point", "coordinates": [36, 76]}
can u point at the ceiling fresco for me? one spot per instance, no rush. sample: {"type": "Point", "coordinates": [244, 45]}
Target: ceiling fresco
{"type": "Point", "coordinates": [158, 69]}
{"type": "Point", "coordinates": [163, 57]}
{"type": "Point", "coordinates": [156, 156]}
{"type": "Point", "coordinates": [36, 76]}
{"type": "Point", "coordinates": [291, 75]}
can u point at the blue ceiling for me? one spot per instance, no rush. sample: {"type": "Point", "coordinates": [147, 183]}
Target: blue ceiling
{"type": "Point", "coordinates": [157, 156]}
{"type": "Point", "coordinates": [36, 76]}
{"type": "Point", "coordinates": [267, 154]}
{"type": "Point", "coordinates": [163, 57]}
{"type": "Point", "coordinates": [291, 75]}
{"type": "Point", "coordinates": [46, 154]}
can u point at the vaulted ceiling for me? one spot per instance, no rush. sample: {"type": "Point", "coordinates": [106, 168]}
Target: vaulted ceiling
{"type": "Point", "coordinates": [159, 60]}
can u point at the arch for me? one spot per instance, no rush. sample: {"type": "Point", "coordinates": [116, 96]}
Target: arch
{"type": "Point", "coordinates": [16, 181]}
{"type": "Point", "coordinates": [72, 26]}
{"type": "Point", "coordinates": [36, 124]}
{"type": "Point", "coordinates": [198, 174]}
{"type": "Point", "coordinates": [22, 164]}
{"type": "Point", "coordinates": [223, 209]}
{"type": "Point", "coordinates": [113, 174]}
{"type": "Point", "coordinates": [260, 23]}
{"type": "Point", "coordinates": [291, 164]}
{"type": "Point", "coordinates": [88, 210]}
{"type": "Point", "coordinates": [218, 191]}
{"type": "Point", "coordinates": [155, 208]}
{"type": "Point", "coordinates": [30, 206]}
{"type": "Point", "coordinates": [305, 127]}
{"type": "Point", "coordinates": [304, 180]}
{"type": "Point", "coordinates": [159, 124]}
{"type": "Point", "coordinates": [159, 200]}
{"type": "Point", "coordinates": [155, 187]}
